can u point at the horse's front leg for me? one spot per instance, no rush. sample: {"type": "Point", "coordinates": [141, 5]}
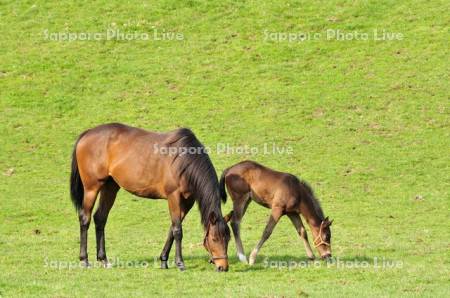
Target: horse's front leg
{"type": "Point", "coordinates": [271, 223]}
{"type": "Point", "coordinates": [178, 208]}
{"type": "Point", "coordinates": [298, 224]}
{"type": "Point", "coordinates": [166, 250]}
{"type": "Point", "coordinates": [178, 236]}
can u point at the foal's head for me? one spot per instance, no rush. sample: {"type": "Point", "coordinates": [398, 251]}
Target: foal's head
{"type": "Point", "coordinates": [216, 241]}
{"type": "Point", "coordinates": [322, 238]}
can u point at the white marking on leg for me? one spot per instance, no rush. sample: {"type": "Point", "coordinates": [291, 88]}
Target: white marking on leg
{"type": "Point", "coordinates": [242, 258]}
{"type": "Point", "coordinates": [252, 258]}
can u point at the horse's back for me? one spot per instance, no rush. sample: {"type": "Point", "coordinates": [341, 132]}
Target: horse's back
{"type": "Point", "coordinates": [139, 160]}
{"type": "Point", "coordinates": [116, 150]}
{"type": "Point", "coordinates": [253, 172]}
{"type": "Point", "coordinates": [121, 134]}
{"type": "Point", "coordinates": [265, 185]}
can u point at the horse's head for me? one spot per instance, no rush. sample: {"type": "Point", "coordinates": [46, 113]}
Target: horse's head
{"type": "Point", "coordinates": [322, 238]}
{"type": "Point", "coordinates": [217, 236]}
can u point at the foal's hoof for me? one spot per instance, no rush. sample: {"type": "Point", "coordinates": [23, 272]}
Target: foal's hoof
{"type": "Point", "coordinates": [251, 261]}
{"type": "Point", "coordinates": [252, 258]}
{"type": "Point", "coordinates": [164, 265]}
{"type": "Point", "coordinates": [311, 258]}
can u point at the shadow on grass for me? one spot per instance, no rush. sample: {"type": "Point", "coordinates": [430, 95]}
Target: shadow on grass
{"type": "Point", "coordinates": [263, 262]}
{"type": "Point", "coordinates": [201, 262]}
{"type": "Point", "coordinates": [191, 262]}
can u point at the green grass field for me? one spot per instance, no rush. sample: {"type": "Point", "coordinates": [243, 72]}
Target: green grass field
{"type": "Point", "coordinates": [367, 120]}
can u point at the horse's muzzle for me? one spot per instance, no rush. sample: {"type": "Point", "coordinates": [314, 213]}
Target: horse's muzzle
{"type": "Point", "coordinates": [326, 256]}
{"type": "Point", "coordinates": [221, 269]}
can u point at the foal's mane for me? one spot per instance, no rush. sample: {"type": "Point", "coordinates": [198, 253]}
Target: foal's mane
{"type": "Point", "coordinates": [197, 168]}
{"type": "Point", "coordinates": [313, 200]}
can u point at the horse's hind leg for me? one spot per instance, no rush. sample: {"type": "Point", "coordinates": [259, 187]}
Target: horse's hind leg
{"type": "Point", "coordinates": [84, 215]}
{"type": "Point", "coordinates": [107, 197]}
{"type": "Point", "coordinates": [298, 224]}
{"type": "Point", "coordinates": [273, 220]}
{"type": "Point", "coordinates": [240, 204]}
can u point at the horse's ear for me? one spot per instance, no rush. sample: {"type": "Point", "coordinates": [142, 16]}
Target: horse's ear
{"type": "Point", "coordinates": [326, 222]}
{"type": "Point", "coordinates": [213, 218]}
{"type": "Point", "coordinates": [228, 217]}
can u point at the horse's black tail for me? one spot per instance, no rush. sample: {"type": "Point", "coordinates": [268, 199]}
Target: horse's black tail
{"type": "Point", "coordinates": [223, 192]}
{"type": "Point", "coordinates": [76, 186]}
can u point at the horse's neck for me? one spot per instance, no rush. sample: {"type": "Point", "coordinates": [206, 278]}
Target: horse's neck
{"type": "Point", "coordinates": [310, 214]}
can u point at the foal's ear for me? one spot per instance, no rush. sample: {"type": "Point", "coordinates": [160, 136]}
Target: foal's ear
{"type": "Point", "coordinates": [228, 217]}
{"type": "Point", "coordinates": [327, 222]}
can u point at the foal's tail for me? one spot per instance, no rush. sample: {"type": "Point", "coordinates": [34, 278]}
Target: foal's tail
{"type": "Point", "coordinates": [223, 192]}
{"type": "Point", "coordinates": [76, 186]}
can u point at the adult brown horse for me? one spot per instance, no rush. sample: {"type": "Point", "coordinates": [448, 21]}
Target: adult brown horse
{"type": "Point", "coordinates": [284, 194]}
{"type": "Point", "coordinates": [172, 165]}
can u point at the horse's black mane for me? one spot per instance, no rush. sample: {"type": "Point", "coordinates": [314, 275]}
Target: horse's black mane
{"type": "Point", "coordinates": [194, 165]}
{"type": "Point", "coordinates": [309, 193]}
{"type": "Point", "coordinates": [314, 201]}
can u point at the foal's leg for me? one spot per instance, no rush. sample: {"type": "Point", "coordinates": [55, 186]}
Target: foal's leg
{"type": "Point", "coordinates": [273, 220]}
{"type": "Point", "coordinates": [297, 222]}
{"type": "Point", "coordinates": [240, 204]}
{"type": "Point", "coordinates": [84, 215]}
{"type": "Point", "coordinates": [186, 206]}
{"type": "Point", "coordinates": [107, 197]}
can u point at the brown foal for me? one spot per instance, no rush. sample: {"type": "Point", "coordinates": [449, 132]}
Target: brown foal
{"type": "Point", "coordinates": [284, 194]}
{"type": "Point", "coordinates": [172, 166]}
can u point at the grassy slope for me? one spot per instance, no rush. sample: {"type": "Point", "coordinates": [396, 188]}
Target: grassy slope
{"type": "Point", "coordinates": [368, 122]}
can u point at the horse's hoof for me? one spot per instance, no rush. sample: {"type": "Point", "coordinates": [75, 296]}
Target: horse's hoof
{"type": "Point", "coordinates": [242, 258]}
{"type": "Point", "coordinates": [164, 265]}
{"type": "Point", "coordinates": [181, 266]}
{"type": "Point", "coordinates": [107, 265]}
{"type": "Point", "coordinates": [312, 258]}
{"type": "Point", "coordinates": [85, 264]}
